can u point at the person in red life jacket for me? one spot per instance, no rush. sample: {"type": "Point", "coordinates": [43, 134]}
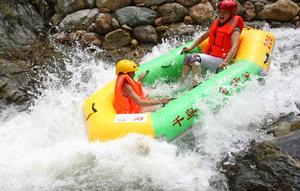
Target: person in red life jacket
{"type": "Point", "coordinates": [223, 42]}
{"type": "Point", "coordinates": [129, 96]}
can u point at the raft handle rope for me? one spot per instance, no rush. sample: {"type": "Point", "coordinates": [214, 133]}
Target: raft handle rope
{"type": "Point", "coordinates": [163, 105]}
{"type": "Point", "coordinates": [93, 108]}
{"type": "Point", "coordinates": [169, 64]}
{"type": "Point", "coordinates": [94, 111]}
{"type": "Point", "coordinates": [266, 58]}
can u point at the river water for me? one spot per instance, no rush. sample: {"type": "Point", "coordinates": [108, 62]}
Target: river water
{"type": "Point", "coordinates": [45, 147]}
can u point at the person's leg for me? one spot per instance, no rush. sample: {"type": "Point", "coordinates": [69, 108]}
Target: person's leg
{"type": "Point", "coordinates": [196, 73]}
{"type": "Point", "coordinates": [210, 62]}
{"type": "Point", "coordinates": [185, 72]}
{"type": "Point", "coordinates": [186, 67]}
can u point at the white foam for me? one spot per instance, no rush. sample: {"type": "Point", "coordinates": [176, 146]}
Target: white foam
{"type": "Point", "coordinates": [45, 148]}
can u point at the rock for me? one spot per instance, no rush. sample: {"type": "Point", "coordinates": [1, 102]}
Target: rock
{"type": "Point", "coordinates": [45, 8]}
{"type": "Point", "coordinates": [188, 3]}
{"type": "Point", "coordinates": [90, 3]}
{"type": "Point", "coordinates": [281, 10]}
{"type": "Point", "coordinates": [91, 38]}
{"type": "Point", "coordinates": [180, 29]}
{"type": "Point", "coordinates": [91, 28]}
{"type": "Point", "coordinates": [104, 10]}
{"type": "Point", "coordinates": [103, 24]}
{"type": "Point", "coordinates": [79, 20]}
{"type": "Point", "coordinates": [13, 79]}
{"type": "Point", "coordinates": [297, 24]}
{"type": "Point", "coordinates": [113, 5]}
{"type": "Point", "coordinates": [116, 39]}
{"type": "Point", "coordinates": [201, 12]}
{"type": "Point", "coordinates": [69, 6]}
{"type": "Point", "coordinates": [138, 2]}
{"type": "Point", "coordinates": [134, 16]}
{"type": "Point", "coordinates": [290, 144]}
{"type": "Point", "coordinates": [134, 43]}
{"type": "Point", "coordinates": [145, 34]}
{"type": "Point", "coordinates": [115, 24]}
{"type": "Point", "coordinates": [249, 9]}
{"type": "Point", "coordinates": [19, 26]}
{"type": "Point", "coordinates": [259, 6]}
{"type": "Point", "coordinates": [276, 24]}
{"type": "Point", "coordinates": [260, 1]}
{"type": "Point", "coordinates": [263, 167]}
{"type": "Point", "coordinates": [188, 20]}
{"type": "Point", "coordinates": [172, 12]}
{"type": "Point", "coordinates": [62, 38]}
{"type": "Point", "coordinates": [256, 24]}
{"type": "Point", "coordinates": [160, 21]}
{"type": "Point", "coordinates": [127, 28]}
{"type": "Point", "coordinates": [295, 125]}
{"type": "Point", "coordinates": [240, 8]}
{"type": "Point", "coordinates": [150, 3]}
{"type": "Point", "coordinates": [76, 36]}
{"type": "Point", "coordinates": [57, 18]}
{"type": "Point", "coordinates": [161, 28]}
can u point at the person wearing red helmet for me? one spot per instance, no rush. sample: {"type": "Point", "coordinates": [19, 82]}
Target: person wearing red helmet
{"type": "Point", "coordinates": [223, 41]}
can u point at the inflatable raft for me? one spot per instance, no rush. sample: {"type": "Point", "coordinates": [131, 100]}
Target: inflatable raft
{"type": "Point", "coordinates": [252, 58]}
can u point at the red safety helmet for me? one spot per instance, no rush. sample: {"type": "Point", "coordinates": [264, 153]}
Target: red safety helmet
{"type": "Point", "coordinates": [228, 5]}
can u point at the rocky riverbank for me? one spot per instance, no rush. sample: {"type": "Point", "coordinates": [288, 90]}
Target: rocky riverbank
{"type": "Point", "coordinates": [115, 24]}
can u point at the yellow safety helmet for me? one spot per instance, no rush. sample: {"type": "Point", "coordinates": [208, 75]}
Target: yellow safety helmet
{"type": "Point", "coordinates": [126, 66]}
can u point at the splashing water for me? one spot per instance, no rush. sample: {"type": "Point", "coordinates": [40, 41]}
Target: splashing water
{"type": "Point", "coordinates": [46, 147]}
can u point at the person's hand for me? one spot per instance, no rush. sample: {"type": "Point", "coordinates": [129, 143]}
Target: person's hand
{"type": "Point", "coordinates": [165, 100]}
{"type": "Point", "coordinates": [186, 49]}
{"type": "Point", "coordinates": [143, 74]}
{"type": "Point", "coordinates": [223, 64]}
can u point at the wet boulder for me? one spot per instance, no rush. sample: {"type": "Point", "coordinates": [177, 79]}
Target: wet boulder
{"type": "Point", "coordinates": [290, 144]}
{"type": "Point", "coordinates": [202, 12]}
{"type": "Point", "coordinates": [90, 3]}
{"type": "Point", "coordinates": [180, 29]}
{"type": "Point", "coordinates": [112, 5]}
{"type": "Point", "coordinates": [79, 20]}
{"type": "Point", "coordinates": [69, 6]}
{"type": "Point", "coordinates": [145, 34]}
{"type": "Point", "coordinates": [13, 82]}
{"type": "Point", "coordinates": [281, 10]}
{"type": "Point", "coordinates": [249, 11]}
{"type": "Point", "coordinates": [188, 3]}
{"type": "Point", "coordinates": [172, 12]}
{"type": "Point", "coordinates": [149, 3]}
{"type": "Point", "coordinates": [263, 167]}
{"type": "Point", "coordinates": [103, 23]}
{"type": "Point", "coordinates": [20, 25]}
{"type": "Point", "coordinates": [116, 39]}
{"type": "Point", "coordinates": [134, 16]}
{"type": "Point", "coordinates": [91, 38]}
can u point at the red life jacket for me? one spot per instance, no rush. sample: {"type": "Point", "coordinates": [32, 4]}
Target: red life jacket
{"type": "Point", "coordinates": [123, 103]}
{"type": "Point", "coordinates": [219, 43]}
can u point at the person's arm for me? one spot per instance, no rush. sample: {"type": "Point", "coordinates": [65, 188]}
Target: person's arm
{"type": "Point", "coordinates": [141, 102]}
{"type": "Point", "coordinates": [235, 39]}
{"type": "Point", "coordinates": [143, 74]}
{"type": "Point", "coordinates": [197, 42]}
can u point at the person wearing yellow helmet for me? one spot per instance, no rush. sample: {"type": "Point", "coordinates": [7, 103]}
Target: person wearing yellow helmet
{"type": "Point", "coordinates": [129, 96]}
